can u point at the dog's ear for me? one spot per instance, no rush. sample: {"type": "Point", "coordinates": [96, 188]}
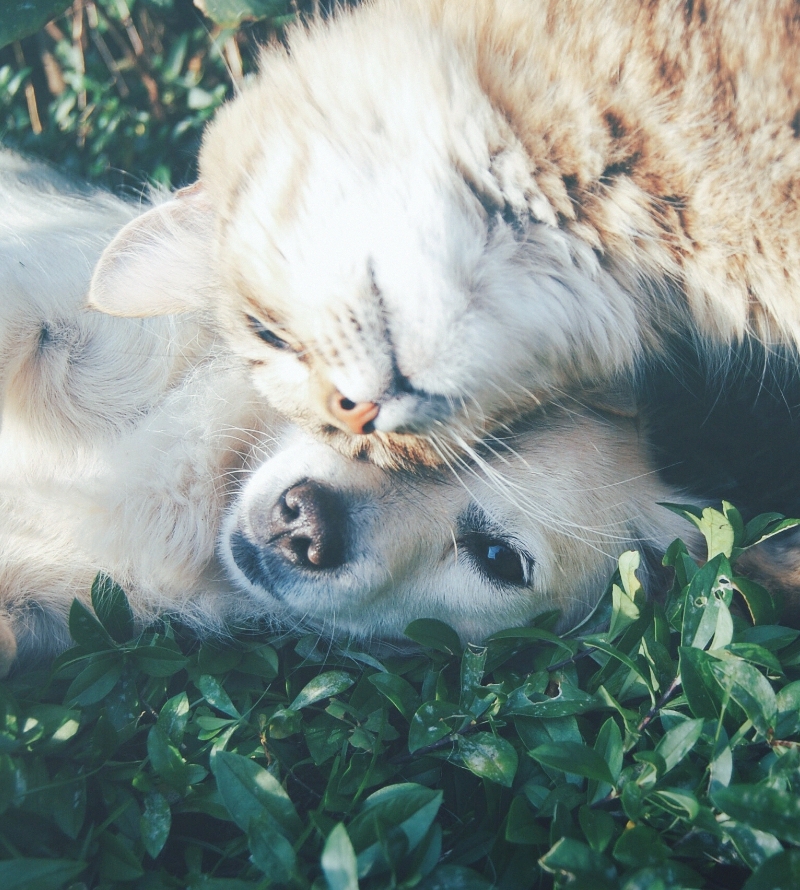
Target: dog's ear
{"type": "Point", "coordinates": [161, 262]}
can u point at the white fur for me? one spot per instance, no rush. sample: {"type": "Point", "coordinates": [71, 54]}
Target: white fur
{"type": "Point", "coordinates": [571, 494]}
{"type": "Point", "coordinates": [457, 211]}
{"type": "Point", "coordinates": [119, 436]}
{"type": "Point", "coordinates": [123, 442]}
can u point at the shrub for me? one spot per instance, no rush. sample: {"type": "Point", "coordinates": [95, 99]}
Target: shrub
{"type": "Point", "coordinates": [659, 753]}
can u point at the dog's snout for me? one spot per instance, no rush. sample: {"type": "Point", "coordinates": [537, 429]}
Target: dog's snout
{"type": "Point", "coordinates": [307, 526]}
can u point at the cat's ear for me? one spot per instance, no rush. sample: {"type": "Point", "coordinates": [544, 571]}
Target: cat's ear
{"type": "Point", "coordinates": [160, 262]}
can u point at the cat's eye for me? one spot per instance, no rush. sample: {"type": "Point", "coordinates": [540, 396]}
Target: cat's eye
{"type": "Point", "coordinates": [498, 560]}
{"type": "Point", "coordinates": [265, 334]}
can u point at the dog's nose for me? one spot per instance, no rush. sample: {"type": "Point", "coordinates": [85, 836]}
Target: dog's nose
{"type": "Point", "coordinates": [358, 417]}
{"type": "Point", "coordinates": [307, 526]}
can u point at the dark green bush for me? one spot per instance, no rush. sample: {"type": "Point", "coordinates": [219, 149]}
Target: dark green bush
{"type": "Point", "coordinates": [119, 90]}
{"type": "Point", "coordinates": [660, 753]}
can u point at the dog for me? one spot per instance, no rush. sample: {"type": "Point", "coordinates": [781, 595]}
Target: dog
{"type": "Point", "coordinates": [423, 219]}
{"type": "Point", "coordinates": [139, 448]}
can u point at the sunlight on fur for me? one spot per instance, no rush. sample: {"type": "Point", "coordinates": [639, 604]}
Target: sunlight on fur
{"type": "Point", "coordinates": [436, 214]}
{"type": "Point", "coordinates": [139, 448]}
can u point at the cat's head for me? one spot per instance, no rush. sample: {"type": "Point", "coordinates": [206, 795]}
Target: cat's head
{"type": "Point", "coordinates": [369, 232]}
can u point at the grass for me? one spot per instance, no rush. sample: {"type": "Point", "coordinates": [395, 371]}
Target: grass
{"type": "Point", "coordinates": [659, 753]}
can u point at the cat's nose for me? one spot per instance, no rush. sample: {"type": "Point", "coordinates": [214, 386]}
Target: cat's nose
{"type": "Point", "coordinates": [357, 417]}
{"type": "Point", "coordinates": [306, 527]}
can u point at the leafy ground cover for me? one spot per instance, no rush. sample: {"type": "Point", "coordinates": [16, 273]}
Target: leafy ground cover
{"type": "Point", "coordinates": [119, 90]}
{"type": "Point", "coordinates": [661, 752]}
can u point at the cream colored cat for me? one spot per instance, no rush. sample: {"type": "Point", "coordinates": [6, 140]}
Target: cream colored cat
{"type": "Point", "coordinates": [424, 218]}
{"type": "Point", "coordinates": [124, 443]}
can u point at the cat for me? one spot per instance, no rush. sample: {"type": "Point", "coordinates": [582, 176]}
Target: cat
{"type": "Point", "coordinates": [139, 449]}
{"type": "Point", "coordinates": [425, 218]}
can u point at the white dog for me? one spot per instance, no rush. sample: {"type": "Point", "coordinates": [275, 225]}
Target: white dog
{"type": "Point", "coordinates": [118, 437]}
{"type": "Point", "coordinates": [426, 217]}
{"type": "Point", "coordinates": [124, 442]}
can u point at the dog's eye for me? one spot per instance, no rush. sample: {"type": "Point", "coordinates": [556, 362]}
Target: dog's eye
{"type": "Point", "coordinates": [266, 334]}
{"type": "Point", "coordinates": [498, 560]}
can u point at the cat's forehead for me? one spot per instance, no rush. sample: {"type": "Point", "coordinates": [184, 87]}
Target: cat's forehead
{"type": "Point", "coordinates": [314, 226]}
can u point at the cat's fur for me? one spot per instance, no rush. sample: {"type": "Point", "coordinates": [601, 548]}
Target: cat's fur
{"type": "Point", "coordinates": [123, 441]}
{"type": "Point", "coordinates": [459, 210]}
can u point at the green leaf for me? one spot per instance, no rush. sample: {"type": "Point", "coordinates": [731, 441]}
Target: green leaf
{"type": "Point", "coordinates": [473, 664]}
{"type": "Point", "coordinates": [487, 756]}
{"type": "Point", "coordinates": [521, 824]}
{"type": "Point", "coordinates": [247, 789]}
{"type": "Point", "coordinates": [86, 630]}
{"type": "Point", "coordinates": [112, 608]}
{"type": "Point", "coordinates": [679, 741]}
{"type": "Point", "coordinates": [574, 758]}
{"type": "Point", "coordinates": [765, 809]}
{"type": "Point", "coordinates": [715, 527]}
{"type": "Point", "coordinates": [155, 823]}
{"type": "Point", "coordinates": [231, 13]}
{"type": "Point", "coordinates": [323, 686]}
{"type": "Point", "coordinates": [639, 847]}
{"type": "Point", "coordinates": [433, 634]}
{"type": "Point", "coordinates": [608, 746]}
{"type": "Point", "coordinates": [759, 601]}
{"type": "Point", "coordinates": [568, 702]}
{"type": "Point", "coordinates": [408, 807]}
{"type": "Point", "coordinates": [572, 860]}
{"type": "Point", "coordinates": [284, 723]}
{"type": "Point", "coordinates": [19, 18]}
{"type": "Point", "coordinates": [173, 716]}
{"type": "Point", "coordinates": [269, 848]}
{"type": "Point", "coordinates": [38, 874]}
{"type": "Point", "coordinates": [339, 860]}
{"type": "Point", "coordinates": [679, 803]}
{"type": "Point", "coordinates": [749, 689]}
{"type": "Point", "coordinates": [757, 530]}
{"type": "Point", "coordinates": [399, 692]}
{"type": "Point", "coordinates": [117, 861]}
{"type": "Point", "coordinates": [598, 826]}
{"type": "Point", "coordinates": [754, 846]}
{"type": "Point", "coordinates": [454, 877]}
{"type": "Point", "coordinates": [699, 684]}
{"type": "Point", "coordinates": [433, 721]}
{"type": "Point", "coordinates": [166, 759]}
{"type": "Point", "coordinates": [706, 613]}
{"type": "Point", "coordinates": [781, 872]}
{"type": "Point", "coordinates": [96, 680]}
{"type": "Point", "coordinates": [159, 660]}
{"type": "Point", "coordinates": [215, 695]}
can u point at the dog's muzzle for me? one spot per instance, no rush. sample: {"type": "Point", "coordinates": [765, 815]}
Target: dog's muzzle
{"type": "Point", "coordinates": [304, 530]}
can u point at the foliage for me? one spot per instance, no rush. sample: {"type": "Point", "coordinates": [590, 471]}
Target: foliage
{"type": "Point", "coordinates": [663, 752]}
{"type": "Point", "coordinates": [126, 85]}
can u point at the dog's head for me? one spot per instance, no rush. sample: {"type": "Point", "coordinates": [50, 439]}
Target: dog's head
{"type": "Point", "coordinates": [350, 549]}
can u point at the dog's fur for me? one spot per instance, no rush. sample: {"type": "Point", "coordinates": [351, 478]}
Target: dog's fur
{"type": "Point", "coordinates": [122, 442]}
{"type": "Point", "coordinates": [457, 211]}
{"type": "Point", "coordinates": [358, 550]}
{"type": "Point", "coordinates": [118, 435]}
